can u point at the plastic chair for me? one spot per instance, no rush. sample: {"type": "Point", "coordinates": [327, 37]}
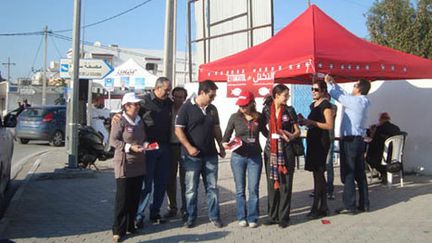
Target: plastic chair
{"type": "Point", "coordinates": [397, 143]}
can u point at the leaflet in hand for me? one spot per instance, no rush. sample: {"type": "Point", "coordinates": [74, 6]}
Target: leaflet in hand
{"type": "Point", "coordinates": [235, 143]}
{"type": "Point", "coordinates": [151, 146]}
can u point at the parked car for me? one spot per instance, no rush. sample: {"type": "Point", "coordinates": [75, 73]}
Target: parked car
{"type": "Point", "coordinates": [6, 152]}
{"type": "Point", "coordinates": [42, 123]}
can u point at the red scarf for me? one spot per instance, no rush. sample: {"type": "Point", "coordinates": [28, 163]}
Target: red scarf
{"type": "Point", "coordinates": [277, 160]}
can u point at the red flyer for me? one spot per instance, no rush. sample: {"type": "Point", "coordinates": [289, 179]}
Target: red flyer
{"type": "Point", "coordinates": [325, 221]}
{"type": "Point", "coordinates": [235, 143]}
{"type": "Point", "coordinates": [151, 146]}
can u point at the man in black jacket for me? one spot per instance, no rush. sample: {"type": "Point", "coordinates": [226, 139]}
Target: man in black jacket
{"type": "Point", "coordinates": [156, 112]}
{"type": "Point", "coordinates": [379, 133]}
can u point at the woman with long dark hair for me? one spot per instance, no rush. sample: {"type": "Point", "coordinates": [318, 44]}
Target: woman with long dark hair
{"type": "Point", "coordinates": [319, 123]}
{"type": "Point", "coordinates": [246, 160]}
{"type": "Point", "coordinates": [279, 154]}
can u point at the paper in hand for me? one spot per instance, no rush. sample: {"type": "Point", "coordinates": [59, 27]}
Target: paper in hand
{"type": "Point", "coordinates": [235, 143]}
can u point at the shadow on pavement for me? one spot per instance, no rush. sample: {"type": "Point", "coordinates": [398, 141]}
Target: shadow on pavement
{"type": "Point", "coordinates": [213, 236]}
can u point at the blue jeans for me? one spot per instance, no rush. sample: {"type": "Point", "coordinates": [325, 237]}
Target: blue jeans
{"type": "Point", "coordinates": [330, 171]}
{"type": "Point", "coordinates": [155, 181]}
{"type": "Point", "coordinates": [207, 167]}
{"type": "Point", "coordinates": [252, 165]}
{"type": "Point", "coordinates": [353, 170]}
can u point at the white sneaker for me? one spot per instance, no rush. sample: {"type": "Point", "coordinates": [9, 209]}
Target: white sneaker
{"type": "Point", "coordinates": [243, 223]}
{"type": "Point", "coordinates": [253, 225]}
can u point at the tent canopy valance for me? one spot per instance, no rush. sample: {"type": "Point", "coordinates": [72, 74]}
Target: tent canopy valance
{"type": "Point", "coordinates": [311, 45]}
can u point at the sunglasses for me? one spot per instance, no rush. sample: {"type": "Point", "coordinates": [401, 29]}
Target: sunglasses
{"type": "Point", "coordinates": [212, 96]}
{"type": "Point", "coordinates": [315, 89]}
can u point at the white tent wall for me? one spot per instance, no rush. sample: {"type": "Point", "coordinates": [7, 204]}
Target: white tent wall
{"type": "Point", "coordinates": [407, 102]}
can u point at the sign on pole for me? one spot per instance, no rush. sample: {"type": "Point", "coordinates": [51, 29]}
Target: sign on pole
{"type": "Point", "coordinates": [89, 68]}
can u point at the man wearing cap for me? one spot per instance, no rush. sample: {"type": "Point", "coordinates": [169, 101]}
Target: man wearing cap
{"type": "Point", "coordinates": [352, 145]}
{"type": "Point", "coordinates": [197, 128]}
{"type": "Point", "coordinates": [379, 133]}
{"type": "Point", "coordinates": [246, 160]}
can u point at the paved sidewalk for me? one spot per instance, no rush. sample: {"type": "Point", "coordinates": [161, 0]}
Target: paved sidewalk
{"type": "Point", "coordinates": [55, 206]}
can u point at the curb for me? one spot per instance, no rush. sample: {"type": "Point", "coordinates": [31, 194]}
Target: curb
{"type": "Point", "coordinates": [14, 202]}
{"type": "Point", "coordinates": [20, 163]}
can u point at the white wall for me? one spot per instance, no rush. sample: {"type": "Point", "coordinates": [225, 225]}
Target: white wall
{"type": "Point", "coordinates": [408, 103]}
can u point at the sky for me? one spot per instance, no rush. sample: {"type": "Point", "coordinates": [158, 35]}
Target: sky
{"type": "Point", "coordinates": [142, 27]}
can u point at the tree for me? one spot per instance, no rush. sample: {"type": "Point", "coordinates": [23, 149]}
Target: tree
{"type": "Point", "coordinates": [401, 25]}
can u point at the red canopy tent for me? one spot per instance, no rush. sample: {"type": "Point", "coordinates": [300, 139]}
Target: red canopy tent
{"type": "Point", "coordinates": [313, 44]}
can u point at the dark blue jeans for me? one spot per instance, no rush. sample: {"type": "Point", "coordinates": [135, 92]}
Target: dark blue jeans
{"type": "Point", "coordinates": [353, 170]}
{"type": "Point", "coordinates": [241, 165]}
{"type": "Point", "coordinates": [207, 167]}
{"type": "Point", "coordinates": [155, 181]}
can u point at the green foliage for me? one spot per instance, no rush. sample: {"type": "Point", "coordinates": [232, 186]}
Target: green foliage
{"type": "Point", "coordinates": [401, 25]}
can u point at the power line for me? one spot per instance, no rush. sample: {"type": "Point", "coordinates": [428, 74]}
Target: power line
{"type": "Point", "coordinates": [358, 4]}
{"type": "Point", "coordinates": [85, 26]}
{"type": "Point", "coordinates": [55, 45]}
{"type": "Point", "coordinates": [89, 43]}
{"type": "Point", "coordinates": [109, 18]}
{"type": "Point", "coordinates": [24, 33]}
{"type": "Point", "coordinates": [36, 55]}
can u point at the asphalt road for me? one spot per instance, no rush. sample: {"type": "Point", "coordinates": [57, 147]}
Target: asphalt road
{"type": "Point", "coordinates": [23, 153]}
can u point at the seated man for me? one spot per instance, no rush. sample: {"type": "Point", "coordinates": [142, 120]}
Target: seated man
{"type": "Point", "coordinates": [379, 133]}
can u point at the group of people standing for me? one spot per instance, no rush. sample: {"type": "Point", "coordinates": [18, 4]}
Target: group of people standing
{"type": "Point", "coordinates": [187, 132]}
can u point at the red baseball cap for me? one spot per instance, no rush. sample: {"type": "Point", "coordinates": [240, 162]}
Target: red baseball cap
{"type": "Point", "coordinates": [245, 98]}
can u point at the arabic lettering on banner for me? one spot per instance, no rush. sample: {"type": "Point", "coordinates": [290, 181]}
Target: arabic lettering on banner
{"type": "Point", "coordinates": [127, 72]}
{"type": "Point", "coordinates": [259, 83]}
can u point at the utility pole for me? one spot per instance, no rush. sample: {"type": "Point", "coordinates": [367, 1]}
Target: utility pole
{"type": "Point", "coordinates": [44, 76]}
{"type": "Point", "coordinates": [72, 109]}
{"type": "Point", "coordinates": [170, 40]}
{"type": "Point", "coordinates": [8, 64]}
{"type": "Point", "coordinates": [309, 3]}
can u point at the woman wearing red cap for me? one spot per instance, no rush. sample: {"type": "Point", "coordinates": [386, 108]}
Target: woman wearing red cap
{"type": "Point", "coordinates": [279, 154]}
{"type": "Point", "coordinates": [246, 159]}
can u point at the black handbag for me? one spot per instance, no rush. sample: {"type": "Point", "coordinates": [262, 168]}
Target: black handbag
{"type": "Point", "coordinates": [298, 147]}
{"type": "Point", "coordinates": [394, 166]}
{"type": "Point", "coordinates": [297, 143]}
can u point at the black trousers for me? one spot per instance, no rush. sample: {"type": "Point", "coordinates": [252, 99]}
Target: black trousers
{"type": "Point", "coordinates": [126, 204]}
{"type": "Point", "coordinates": [171, 190]}
{"type": "Point", "coordinates": [320, 191]}
{"type": "Point", "coordinates": [279, 201]}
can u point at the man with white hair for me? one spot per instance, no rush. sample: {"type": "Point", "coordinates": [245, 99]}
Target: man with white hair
{"type": "Point", "coordinates": [156, 112]}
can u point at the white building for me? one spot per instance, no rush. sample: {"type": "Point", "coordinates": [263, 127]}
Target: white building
{"type": "Point", "coordinates": [152, 60]}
